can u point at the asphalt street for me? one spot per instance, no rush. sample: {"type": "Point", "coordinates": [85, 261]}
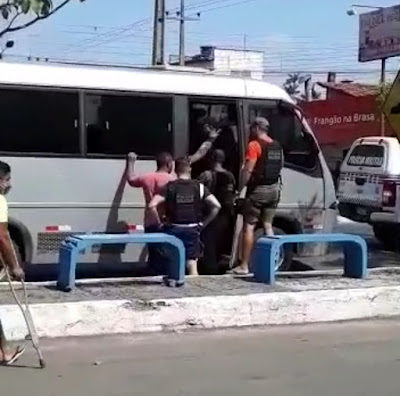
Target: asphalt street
{"type": "Point", "coordinates": [338, 359]}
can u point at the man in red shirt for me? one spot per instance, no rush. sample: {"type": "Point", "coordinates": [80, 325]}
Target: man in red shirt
{"type": "Point", "coordinates": [152, 183]}
{"type": "Point", "coordinates": [261, 174]}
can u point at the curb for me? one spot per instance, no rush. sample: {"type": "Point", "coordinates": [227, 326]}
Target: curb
{"type": "Point", "coordinates": [90, 318]}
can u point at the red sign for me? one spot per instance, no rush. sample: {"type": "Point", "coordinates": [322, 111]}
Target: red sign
{"type": "Point", "coordinates": [341, 121]}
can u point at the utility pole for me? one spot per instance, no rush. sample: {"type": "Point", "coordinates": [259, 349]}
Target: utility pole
{"type": "Point", "coordinates": [383, 80]}
{"type": "Point", "coordinates": [158, 33]}
{"type": "Point", "coordinates": [182, 35]}
{"type": "Point", "coordinates": [181, 18]}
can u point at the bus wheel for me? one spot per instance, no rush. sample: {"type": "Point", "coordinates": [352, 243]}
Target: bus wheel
{"type": "Point", "coordinates": [286, 255]}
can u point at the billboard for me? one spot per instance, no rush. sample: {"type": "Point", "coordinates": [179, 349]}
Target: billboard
{"type": "Point", "coordinates": [379, 34]}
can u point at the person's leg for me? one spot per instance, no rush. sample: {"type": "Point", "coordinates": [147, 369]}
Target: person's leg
{"type": "Point", "coordinates": [156, 262]}
{"type": "Point", "coordinates": [268, 211]}
{"type": "Point", "coordinates": [208, 263]}
{"type": "Point", "coordinates": [248, 240]}
{"type": "Point", "coordinates": [250, 219]}
{"type": "Point", "coordinates": [3, 345]}
{"type": "Point", "coordinates": [193, 249]}
{"type": "Point", "coordinates": [268, 217]}
{"type": "Point", "coordinates": [191, 267]}
{"type": "Point", "coordinates": [8, 355]}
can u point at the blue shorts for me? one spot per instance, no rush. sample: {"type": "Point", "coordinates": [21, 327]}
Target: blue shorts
{"type": "Point", "coordinates": [190, 236]}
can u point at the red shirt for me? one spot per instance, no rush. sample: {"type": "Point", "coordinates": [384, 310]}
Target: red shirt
{"type": "Point", "coordinates": [152, 184]}
{"type": "Point", "coordinates": [254, 149]}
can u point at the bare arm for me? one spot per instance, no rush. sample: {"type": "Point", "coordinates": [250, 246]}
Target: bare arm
{"type": "Point", "coordinates": [245, 174]}
{"type": "Point", "coordinates": [154, 203]}
{"type": "Point", "coordinates": [131, 178]}
{"type": "Point", "coordinates": [205, 146]}
{"type": "Point", "coordinates": [8, 254]}
{"type": "Point", "coordinates": [201, 152]}
{"type": "Point", "coordinates": [215, 207]}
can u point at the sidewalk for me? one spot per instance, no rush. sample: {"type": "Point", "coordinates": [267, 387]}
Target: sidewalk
{"type": "Point", "coordinates": [144, 304]}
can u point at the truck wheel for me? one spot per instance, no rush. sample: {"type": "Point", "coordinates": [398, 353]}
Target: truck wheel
{"type": "Point", "coordinates": [286, 257]}
{"type": "Point", "coordinates": [387, 235]}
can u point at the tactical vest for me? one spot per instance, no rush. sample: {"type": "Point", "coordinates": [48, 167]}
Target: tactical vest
{"type": "Point", "coordinates": [269, 165]}
{"type": "Point", "coordinates": [223, 188]}
{"type": "Point", "coordinates": [183, 202]}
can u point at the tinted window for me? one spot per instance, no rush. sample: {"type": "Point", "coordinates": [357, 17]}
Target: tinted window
{"type": "Point", "coordinates": [119, 124]}
{"type": "Point", "coordinates": [367, 155]}
{"type": "Point", "coordinates": [37, 121]}
{"type": "Point", "coordinates": [285, 127]}
{"type": "Point", "coordinates": [220, 115]}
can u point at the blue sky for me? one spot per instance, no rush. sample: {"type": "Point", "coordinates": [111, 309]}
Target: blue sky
{"type": "Point", "coordinates": [308, 35]}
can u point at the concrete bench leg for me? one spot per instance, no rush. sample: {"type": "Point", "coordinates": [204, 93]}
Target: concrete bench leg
{"type": "Point", "coordinates": [355, 256]}
{"type": "Point", "coordinates": [176, 266]}
{"type": "Point", "coordinates": [263, 262]}
{"type": "Point", "coordinates": [68, 258]}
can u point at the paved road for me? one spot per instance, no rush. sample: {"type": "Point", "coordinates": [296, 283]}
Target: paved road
{"type": "Point", "coordinates": [338, 359]}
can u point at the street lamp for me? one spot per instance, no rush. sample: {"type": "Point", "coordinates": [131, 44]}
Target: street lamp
{"type": "Point", "coordinates": [353, 9]}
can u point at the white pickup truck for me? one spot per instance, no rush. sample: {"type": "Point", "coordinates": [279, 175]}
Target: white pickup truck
{"type": "Point", "coordinates": [369, 187]}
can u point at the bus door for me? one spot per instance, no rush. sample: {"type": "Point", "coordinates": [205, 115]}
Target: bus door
{"type": "Point", "coordinates": [220, 114]}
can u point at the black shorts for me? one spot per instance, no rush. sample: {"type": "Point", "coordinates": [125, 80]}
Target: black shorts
{"type": "Point", "coordinates": [190, 236]}
{"type": "Point", "coordinates": [261, 204]}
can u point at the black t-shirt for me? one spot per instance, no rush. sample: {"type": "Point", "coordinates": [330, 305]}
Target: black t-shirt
{"type": "Point", "coordinates": [222, 185]}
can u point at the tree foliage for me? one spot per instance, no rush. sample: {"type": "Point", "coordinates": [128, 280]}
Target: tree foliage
{"type": "Point", "coordinates": [293, 83]}
{"type": "Point", "coordinates": [384, 90]}
{"type": "Point", "coordinates": [20, 14]}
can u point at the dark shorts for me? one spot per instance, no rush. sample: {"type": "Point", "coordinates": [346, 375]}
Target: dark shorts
{"type": "Point", "coordinates": [190, 236]}
{"type": "Point", "coordinates": [158, 255]}
{"type": "Point", "coordinates": [261, 204]}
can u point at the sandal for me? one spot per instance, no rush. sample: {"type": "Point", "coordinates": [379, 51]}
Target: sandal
{"type": "Point", "coordinates": [240, 271]}
{"type": "Point", "coordinates": [17, 354]}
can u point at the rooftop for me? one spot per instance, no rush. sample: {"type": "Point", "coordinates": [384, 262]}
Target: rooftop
{"type": "Point", "coordinates": [352, 89]}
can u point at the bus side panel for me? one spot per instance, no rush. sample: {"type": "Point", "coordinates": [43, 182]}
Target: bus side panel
{"type": "Point", "coordinates": [86, 195]}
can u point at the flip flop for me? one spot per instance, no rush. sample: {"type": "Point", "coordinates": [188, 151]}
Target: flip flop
{"type": "Point", "coordinates": [239, 271]}
{"type": "Point", "coordinates": [18, 353]}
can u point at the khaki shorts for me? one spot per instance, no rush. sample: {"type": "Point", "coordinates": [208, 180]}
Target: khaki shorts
{"type": "Point", "coordinates": [261, 204]}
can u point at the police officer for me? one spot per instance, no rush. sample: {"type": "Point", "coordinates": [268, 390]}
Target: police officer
{"type": "Point", "coordinates": [217, 238]}
{"type": "Point", "coordinates": [262, 175]}
{"type": "Point", "coordinates": [184, 201]}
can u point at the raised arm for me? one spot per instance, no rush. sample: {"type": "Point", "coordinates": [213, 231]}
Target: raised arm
{"type": "Point", "coordinates": [131, 178]}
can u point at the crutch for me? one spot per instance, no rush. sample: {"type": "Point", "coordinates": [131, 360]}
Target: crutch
{"type": "Point", "coordinates": [26, 313]}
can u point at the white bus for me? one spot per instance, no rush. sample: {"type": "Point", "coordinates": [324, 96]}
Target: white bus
{"type": "Point", "coordinates": [66, 130]}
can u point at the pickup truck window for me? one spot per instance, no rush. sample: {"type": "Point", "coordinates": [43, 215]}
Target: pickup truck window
{"type": "Point", "coordinates": [367, 155]}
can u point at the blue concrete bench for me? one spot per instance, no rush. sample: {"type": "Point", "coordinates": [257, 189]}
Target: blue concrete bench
{"type": "Point", "coordinates": [77, 244]}
{"type": "Point", "coordinates": [267, 250]}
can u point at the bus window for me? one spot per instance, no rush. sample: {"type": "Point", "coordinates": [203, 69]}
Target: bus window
{"type": "Point", "coordinates": [299, 146]}
{"type": "Point", "coordinates": [117, 124]}
{"type": "Point", "coordinates": [221, 116]}
{"type": "Point", "coordinates": [39, 121]}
